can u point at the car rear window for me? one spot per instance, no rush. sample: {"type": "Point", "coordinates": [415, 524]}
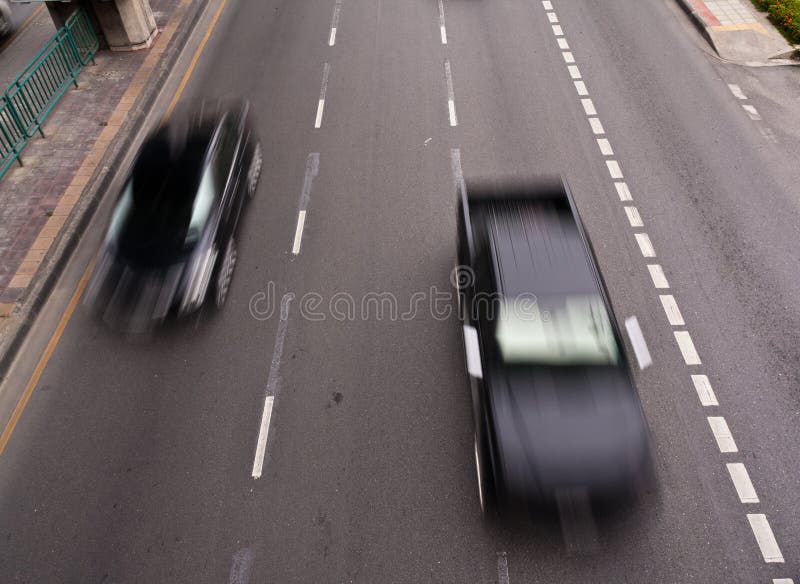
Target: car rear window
{"type": "Point", "coordinates": [569, 330]}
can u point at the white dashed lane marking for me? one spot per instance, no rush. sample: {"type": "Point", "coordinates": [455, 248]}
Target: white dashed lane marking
{"type": "Point", "coordinates": [574, 72]}
{"type": "Point", "coordinates": [737, 91]}
{"type": "Point", "coordinates": [752, 112]}
{"type": "Point", "coordinates": [674, 315]}
{"type": "Point", "coordinates": [633, 217]}
{"type": "Point", "coordinates": [645, 246]}
{"type": "Point", "coordinates": [551, 16]}
{"type": "Point", "coordinates": [442, 28]}
{"type": "Point", "coordinates": [451, 99]}
{"type": "Point", "coordinates": [704, 391]}
{"type": "Point", "coordinates": [557, 30]}
{"type": "Point", "coordinates": [685, 344]}
{"type": "Point", "coordinates": [568, 56]}
{"type": "Point", "coordinates": [547, 5]}
{"type": "Point", "coordinates": [335, 22]}
{"type": "Point", "coordinates": [588, 106]}
{"type": "Point", "coordinates": [272, 386]}
{"type": "Point", "coordinates": [658, 277]}
{"type": "Point", "coordinates": [722, 434]}
{"type": "Point", "coordinates": [613, 169]}
{"type": "Point", "coordinates": [782, 581]}
{"type": "Point", "coordinates": [502, 568]}
{"type": "Point", "coordinates": [563, 44]}
{"type": "Point", "coordinates": [765, 538]}
{"type": "Point", "coordinates": [321, 103]}
{"type": "Point", "coordinates": [605, 147]}
{"type": "Point", "coordinates": [312, 170]}
{"type": "Point", "coordinates": [597, 126]}
{"type": "Point", "coordinates": [742, 483]}
{"type": "Point", "coordinates": [580, 86]}
{"type": "Point", "coordinates": [623, 191]}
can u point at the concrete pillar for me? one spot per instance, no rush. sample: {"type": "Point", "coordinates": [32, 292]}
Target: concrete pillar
{"type": "Point", "coordinates": [121, 25]}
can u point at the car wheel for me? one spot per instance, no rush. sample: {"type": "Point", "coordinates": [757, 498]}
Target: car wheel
{"type": "Point", "coordinates": [255, 170]}
{"type": "Point", "coordinates": [225, 273]}
{"type": "Point", "coordinates": [486, 494]}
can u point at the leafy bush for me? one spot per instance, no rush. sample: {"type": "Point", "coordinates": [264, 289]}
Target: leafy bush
{"type": "Point", "coordinates": [785, 14]}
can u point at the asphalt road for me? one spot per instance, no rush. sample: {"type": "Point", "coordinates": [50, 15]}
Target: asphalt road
{"type": "Point", "coordinates": [133, 461]}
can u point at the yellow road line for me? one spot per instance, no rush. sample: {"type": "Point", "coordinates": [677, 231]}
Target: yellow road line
{"type": "Point", "coordinates": [22, 27]}
{"type": "Point", "coordinates": [73, 303]}
{"type": "Point", "coordinates": [45, 358]}
{"type": "Point", "coordinates": [195, 58]}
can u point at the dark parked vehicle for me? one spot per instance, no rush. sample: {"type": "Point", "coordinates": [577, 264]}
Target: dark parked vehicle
{"type": "Point", "coordinates": [172, 238]}
{"type": "Point", "coordinates": [554, 404]}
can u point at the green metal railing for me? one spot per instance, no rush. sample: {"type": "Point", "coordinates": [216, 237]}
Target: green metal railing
{"type": "Point", "coordinates": [31, 97]}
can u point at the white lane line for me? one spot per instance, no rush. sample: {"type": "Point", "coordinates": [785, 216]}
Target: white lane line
{"type": "Point", "coordinates": [704, 391]}
{"type": "Point", "coordinates": [321, 104]}
{"type": "Point", "coordinates": [335, 22]}
{"type": "Point", "coordinates": [605, 147]}
{"type": "Point", "coordinates": [633, 217]}
{"type": "Point", "coordinates": [241, 566]}
{"type": "Point", "coordinates": [551, 16]}
{"type": "Point", "coordinates": [638, 343]}
{"type": "Point", "coordinates": [765, 538]}
{"type": "Point", "coordinates": [502, 568]}
{"type": "Point", "coordinates": [458, 173]}
{"type": "Point", "coordinates": [563, 44]}
{"type": "Point", "coordinates": [623, 191]}
{"type": "Point", "coordinates": [722, 434]}
{"type": "Point", "coordinates": [298, 232]}
{"type": "Point", "coordinates": [597, 126]}
{"type": "Point", "coordinates": [272, 385]}
{"type": "Point", "coordinates": [674, 315]}
{"type": "Point", "coordinates": [742, 483]}
{"type": "Point", "coordinates": [657, 275]}
{"type": "Point", "coordinates": [312, 170]}
{"type": "Point", "coordinates": [451, 103]}
{"type": "Point", "coordinates": [442, 29]}
{"type": "Point", "coordinates": [568, 56]}
{"type": "Point", "coordinates": [557, 30]}
{"type": "Point", "coordinates": [782, 581]}
{"type": "Point", "coordinates": [580, 86]}
{"type": "Point", "coordinates": [588, 106]}
{"type": "Point", "coordinates": [737, 91]}
{"type": "Point", "coordinates": [574, 72]}
{"type": "Point", "coordinates": [645, 246]}
{"type": "Point", "coordinates": [547, 4]}
{"type": "Point", "coordinates": [686, 346]}
{"type": "Point", "coordinates": [613, 169]}
{"type": "Point", "coordinates": [752, 112]}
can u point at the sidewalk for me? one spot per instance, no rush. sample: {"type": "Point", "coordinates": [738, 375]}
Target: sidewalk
{"type": "Point", "coordinates": [45, 204]}
{"type": "Point", "coordinates": [739, 32]}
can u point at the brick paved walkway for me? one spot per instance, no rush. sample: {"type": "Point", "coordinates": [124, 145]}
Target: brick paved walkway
{"type": "Point", "coordinates": [731, 12]}
{"type": "Point", "coordinates": [36, 199]}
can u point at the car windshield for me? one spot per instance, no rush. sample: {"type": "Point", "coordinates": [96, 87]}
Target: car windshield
{"type": "Point", "coordinates": [571, 330]}
{"type": "Point", "coordinates": [165, 204]}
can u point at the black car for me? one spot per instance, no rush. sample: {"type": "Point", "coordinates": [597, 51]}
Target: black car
{"type": "Point", "coordinates": [171, 243]}
{"type": "Point", "coordinates": [554, 403]}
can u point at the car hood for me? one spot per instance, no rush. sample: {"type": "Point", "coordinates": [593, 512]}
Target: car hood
{"type": "Point", "coordinates": [561, 427]}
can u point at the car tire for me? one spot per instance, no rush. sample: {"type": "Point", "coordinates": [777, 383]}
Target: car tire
{"type": "Point", "coordinates": [486, 491]}
{"type": "Point", "coordinates": [254, 172]}
{"type": "Point", "coordinates": [222, 281]}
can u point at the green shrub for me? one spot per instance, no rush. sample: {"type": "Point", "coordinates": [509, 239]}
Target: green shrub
{"type": "Point", "coordinates": [785, 14]}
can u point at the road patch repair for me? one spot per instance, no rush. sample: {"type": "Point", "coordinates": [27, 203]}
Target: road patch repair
{"type": "Point", "coordinates": [738, 32]}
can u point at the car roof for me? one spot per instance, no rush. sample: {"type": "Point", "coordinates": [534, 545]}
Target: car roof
{"type": "Point", "coordinates": [536, 247]}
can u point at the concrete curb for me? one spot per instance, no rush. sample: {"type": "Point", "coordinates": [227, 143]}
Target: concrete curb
{"type": "Point", "coordinates": [696, 11]}
{"type": "Point", "coordinates": [758, 44]}
{"type": "Point", "coordinates": [56, 259]}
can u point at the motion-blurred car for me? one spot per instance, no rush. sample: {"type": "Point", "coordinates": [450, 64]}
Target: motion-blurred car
{"type": "Point", "coordinates": [5, 18]}
{"type": "Point", "coordinates": [554, 404]}
{"type": "Point", "coordinates": [172, 238]}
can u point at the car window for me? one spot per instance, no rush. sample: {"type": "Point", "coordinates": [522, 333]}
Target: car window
{"type": "Point", "coordinates": [571, 330]}
{"type": "Point", "coordinates": [207, 192]}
